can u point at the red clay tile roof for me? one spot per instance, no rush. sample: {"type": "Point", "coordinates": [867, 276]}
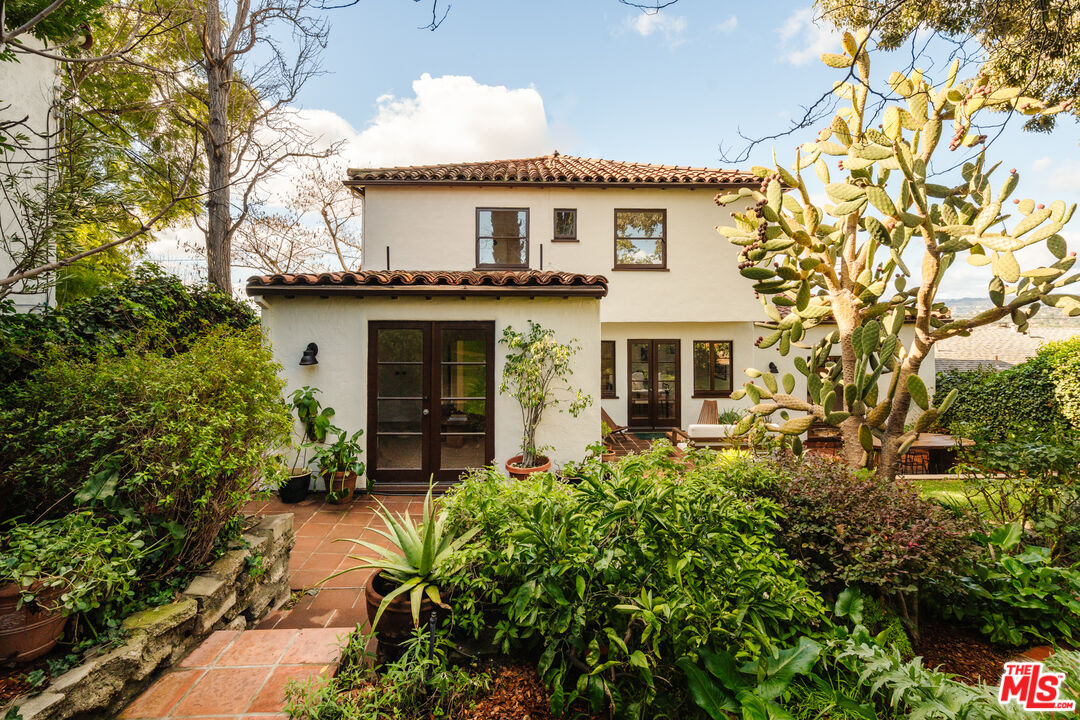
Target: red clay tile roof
{"type": "Point", "coordinates": [431, 282]}
{"type": "Point", "coordinates": [554, 169]}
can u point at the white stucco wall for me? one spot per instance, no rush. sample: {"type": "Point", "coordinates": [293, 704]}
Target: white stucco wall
{"type": "Point", "coordinates": [435, 229]}
{"type": "Point", "coordinates": [340, 328]}
{"type": "Point", "coordinates": [26, 91]}
{"type": "Point", "coordinates": [745, 355]}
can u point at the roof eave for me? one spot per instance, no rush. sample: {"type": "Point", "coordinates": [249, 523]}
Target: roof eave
{"type": "Point", "coordinates": [359, 185]}
{"type": "Point", "coordinates": [567, 291]}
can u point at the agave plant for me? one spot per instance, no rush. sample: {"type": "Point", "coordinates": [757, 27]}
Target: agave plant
{"type": "Point", "coordinates": [417, 557]}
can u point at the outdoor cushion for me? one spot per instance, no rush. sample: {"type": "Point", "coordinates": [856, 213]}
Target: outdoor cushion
{"type": "Point", "coordinates": [709, 431]}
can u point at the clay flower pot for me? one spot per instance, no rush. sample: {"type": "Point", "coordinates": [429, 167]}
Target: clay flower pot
{"type": "Point", "coordinates": [396, 623]}
{"type": "Point", "coordinates": [28, 632]}
{"type": "Point", "coordinates": [524, 472]}
{"type": "Point", "coordinates": [608, 455]}
{"type": "Point", "coordinates": [343, 485]}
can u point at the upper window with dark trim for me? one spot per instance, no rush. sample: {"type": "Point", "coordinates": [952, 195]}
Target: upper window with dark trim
{"type": "Point", "coordinates": [565, 224]}
{"type": "Point", "coordinates": [502, 237]}
{"type": "Point", "coordinates": [607, 369]}
{"type": "Point", "coordinates": [712, 368]}
{"type": "Point", "coordinates": [640, 239]}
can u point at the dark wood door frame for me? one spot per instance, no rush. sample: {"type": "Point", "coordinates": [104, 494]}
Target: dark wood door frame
{"type": "Point", "coordinates": [431, 381]}
{"type": "Point", "coordinates": [654, 421]}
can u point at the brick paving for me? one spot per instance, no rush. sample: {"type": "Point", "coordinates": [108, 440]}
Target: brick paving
{"type": "Point", "coordinates": [240, 675]}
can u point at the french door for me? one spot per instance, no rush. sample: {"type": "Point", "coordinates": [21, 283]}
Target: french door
{"type": "Point", "coordinates": [431, 390]}
{"type": "Point", "coordinates": [653, 374]}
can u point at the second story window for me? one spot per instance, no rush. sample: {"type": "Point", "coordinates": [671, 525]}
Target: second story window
{"type": "Point", "coordinates": [565, 224]}
{"type": "Point", "coordinates": [640, 239]}
{"type": "Point", "coordinates": [502, 237]}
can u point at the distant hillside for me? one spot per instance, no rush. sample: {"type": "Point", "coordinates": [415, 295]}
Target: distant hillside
{"type": "Point", "coordinates": [1047, 317]}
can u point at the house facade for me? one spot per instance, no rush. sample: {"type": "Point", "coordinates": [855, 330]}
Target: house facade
{"type": "Point", "coordinates": [623, 257]}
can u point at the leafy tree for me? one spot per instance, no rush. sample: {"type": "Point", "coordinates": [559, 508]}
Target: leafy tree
{"type": "Point", "coordinates": [1032, 44]}
{"type": "Point", "coordinates": [812, 264]}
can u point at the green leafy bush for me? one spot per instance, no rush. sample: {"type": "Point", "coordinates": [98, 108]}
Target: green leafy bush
{"type": "Point", "coordinates": [151, 310]}
{"type": "Point", "coordinates": [1063, 359]}
{"type": "Point", "coordinates": [613, 579]}
{"type": "Point", "coordinates": [72, 564]}
{"type": "Point", "coordinates": [850, 528]}
{"type": "Point", "coordinates": [175, 441]}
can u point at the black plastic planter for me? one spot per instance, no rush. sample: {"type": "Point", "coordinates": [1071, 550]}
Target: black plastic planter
{"type": "Point", "coordinates": [296, 489]}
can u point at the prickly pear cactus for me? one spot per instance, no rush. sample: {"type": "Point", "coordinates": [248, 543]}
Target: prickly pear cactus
{"type": "Point", "coordinates": [842, 263]}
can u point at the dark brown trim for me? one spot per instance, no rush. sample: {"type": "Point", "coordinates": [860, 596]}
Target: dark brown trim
{"type": "Point", "coordinates": [693, 369]}
{"type": "Point", "coordinates": [616, 265]}
{"type": "Point", "coordinates": [613, 395]}
{"type": "Point", "coordinates": [393, 291]}
{"type": "Point", "coordinates": [555, 236]}
{"type": "Point", "coordinates": [653, 424]}
{"type": "Point", "coordinates": [565, 184]}
{"type": "Point", "coordinates": [528, 234]}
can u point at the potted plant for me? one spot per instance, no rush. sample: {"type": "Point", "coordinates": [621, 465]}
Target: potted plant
{"type": "Point", "coordinates": [607, 452]}
{"type": "Point", "coordinates": [52, 569]}
{"type": "Point", "coordinates": [405, 587]}
{"type": "Point", "coordinates": [340, 465]}
{"type": "Point", "coordinates": [314, 423]}
{"type": "Point", "coordinates": [536, 368]}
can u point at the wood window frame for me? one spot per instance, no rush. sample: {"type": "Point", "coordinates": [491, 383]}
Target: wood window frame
{"type": "Point", "coordinates": [663, 265]}
{"type": "Point", "coordinates": [476, 240]}
{"type": "Point", "coordinates": [614, 392]}
{"type": "Point", "coordinates": [555, 236]}
{"type": "Point", "coordinates": [731, 367]}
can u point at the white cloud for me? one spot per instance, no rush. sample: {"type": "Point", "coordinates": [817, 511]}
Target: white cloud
{"type": "Point", "coordinates": [802, 40]}
{"type": "Point", "coordinates": [1041, 164]}
{"type": "Point", "coordinates": [650, 23]}
{"type": "Point", "coordinates": [728, 25]}
{"type": "Point", "coordinates": [452, 118]}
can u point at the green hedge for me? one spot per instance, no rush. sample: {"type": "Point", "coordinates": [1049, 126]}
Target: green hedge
{"type": "Point", "coordinates": [151, 310]}
{"type": "Point", "coordinates": [992, 403]}
{"type": "Point", "coordinates": [173, 440]}
{"type": "Point", "coordinates": [1063, 358]}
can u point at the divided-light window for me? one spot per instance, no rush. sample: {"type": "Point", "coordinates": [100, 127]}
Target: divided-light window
{"type": "Point", "coordinates": [502, 237]}
{"type": "Point", "coordinates": [712, 368]}
{"type": "Point", "coordinates": [640, 239]}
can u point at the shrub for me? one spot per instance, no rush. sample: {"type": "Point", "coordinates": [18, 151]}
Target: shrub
{"type": "Point", "coordinates": [853, 528]}
{"type": "Point", "coordinates": [614, 579]}
{"type": "Point", "coordinates": [989, 403]}
{"type": "Point", "coordinates": [151, 310]}
{"type": "Point", "coordinates": [1063, 359]}
{"type": "Point", "coordinates": [176, 441]}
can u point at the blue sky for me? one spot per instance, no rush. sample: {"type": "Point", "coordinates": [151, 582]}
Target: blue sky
{"type": "Point", "coordinates": [512, 78]}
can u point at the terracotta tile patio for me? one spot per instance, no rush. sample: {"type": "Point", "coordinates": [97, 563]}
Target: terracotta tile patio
{"type": "Point", "coordinates": [240, 675]}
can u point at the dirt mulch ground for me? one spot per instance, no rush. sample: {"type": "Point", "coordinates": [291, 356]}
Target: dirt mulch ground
{"type": "Point", "coordinates": [516, 693]}
{"type": "Point", "coordinates": [12, 685]}
{"type": "Point", "coordinates": [962, 652]}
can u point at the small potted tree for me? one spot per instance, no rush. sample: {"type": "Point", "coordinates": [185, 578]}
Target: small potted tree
{"type": "Point", "coordinates": [537, 368]}
{"type": "Point", "coordinates": [314, 421]}
{"type": "Point", "coordinates": [340, 465]}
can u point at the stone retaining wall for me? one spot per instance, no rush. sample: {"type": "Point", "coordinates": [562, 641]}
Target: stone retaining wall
{"type": "Point", "coordinates": [234, 593]}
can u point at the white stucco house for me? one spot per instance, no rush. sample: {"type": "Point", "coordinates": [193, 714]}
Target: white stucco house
{"type": "Point", "coordinates": [624, 257]}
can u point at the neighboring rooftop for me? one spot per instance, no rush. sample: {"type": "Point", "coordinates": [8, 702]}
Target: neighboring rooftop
{"type": "Point", "coordinates": [554, 169]}
{"type": "Point", "coordinates": [997, 346]}
{"type": "Point", "coordinates": [430, 283]}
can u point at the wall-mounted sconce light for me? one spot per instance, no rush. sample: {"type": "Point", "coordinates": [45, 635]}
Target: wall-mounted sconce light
{"type": "Point", "coordinates": [772, 366]}
{"type": "Point", "coordinates": [308, 358]}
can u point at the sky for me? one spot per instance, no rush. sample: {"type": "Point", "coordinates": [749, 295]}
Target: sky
{"type": "Point", "coordinates": [596, 78]}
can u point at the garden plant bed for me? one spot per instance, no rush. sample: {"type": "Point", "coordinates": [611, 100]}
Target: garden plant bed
{"type": "Point", "coordinates": [962, 652]}
{"type": "Point", "coordinates": [516, 692]}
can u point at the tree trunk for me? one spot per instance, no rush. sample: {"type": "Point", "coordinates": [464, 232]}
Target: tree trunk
{"type": "Point", "coordinates": [218, 152]}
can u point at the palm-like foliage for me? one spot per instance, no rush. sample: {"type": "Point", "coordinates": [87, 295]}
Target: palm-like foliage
{"type": "Point", "coordinates": [418, 555]}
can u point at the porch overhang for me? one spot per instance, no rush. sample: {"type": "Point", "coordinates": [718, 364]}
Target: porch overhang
{"type": "Point", "coordinates": [437, 283]}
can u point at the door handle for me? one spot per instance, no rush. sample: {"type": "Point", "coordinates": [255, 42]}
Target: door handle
{"type": "Point", "coordinates": [426, 411]}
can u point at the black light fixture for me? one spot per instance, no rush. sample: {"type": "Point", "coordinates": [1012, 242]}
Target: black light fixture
{"type": "Point", "coordinates": [772, 365]}
{"type": "Point", "coordinates": [308, 358]}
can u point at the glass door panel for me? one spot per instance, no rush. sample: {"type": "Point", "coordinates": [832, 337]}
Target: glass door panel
{"type": "Point", "coordinates": [654, 383]}
{"type": "Point", "coordinates": [399, 396]}
{"type": "Point", "coordinates": [464, 368]}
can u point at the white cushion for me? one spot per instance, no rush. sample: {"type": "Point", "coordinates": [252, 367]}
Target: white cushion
{"type": "Point", "coordinates": [710, 431]}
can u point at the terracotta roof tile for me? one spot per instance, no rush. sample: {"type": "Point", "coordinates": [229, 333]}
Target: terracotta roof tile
{"type": "Point", "coordinates": [554, 169]}
{"type": "Point", "coordinates": [425, 282]}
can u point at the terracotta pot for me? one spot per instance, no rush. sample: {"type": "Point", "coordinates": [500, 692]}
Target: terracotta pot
{"type": "Point", "coordinates": [27, 633]}
{"type": "Point", "coordinates": [396, 623]}
{"type": "Point", "coordinates": [296, 489]}
{"type": "Point", "coordinates": [520, 472]}
{"type": "Point", "coordinates": [608, 455]}
{"type": "Point", "coordinates": [343, 484]}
